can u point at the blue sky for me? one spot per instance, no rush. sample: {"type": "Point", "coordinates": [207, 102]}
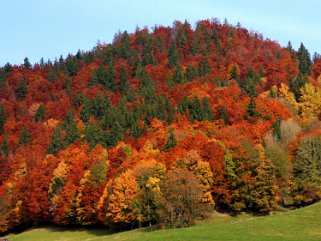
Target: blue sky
{"type": "Point", "coordinates": [48, 28]}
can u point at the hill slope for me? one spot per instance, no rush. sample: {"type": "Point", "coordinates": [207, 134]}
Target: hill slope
{"type": "Point", "coordinates": [105, 137]}
{"type": "Point", "coordinates": [301, 224]}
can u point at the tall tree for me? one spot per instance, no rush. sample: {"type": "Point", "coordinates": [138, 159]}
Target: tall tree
{"type": "Point", "coordinates": [171, 141]}
{"type": "Point", "coordinates": [40, 114]}
{"type": "Point", "coordinates": [3, 117]}
{"type": "Point", "coordinates": [26, 63]}
{"type": "Point", "coordinates": [21, 90]}
{"type": "Point", "coordinates": [123, 84]}
{"type": "Point", "coordinates": [71, 128]}
{"type": "Point", "coordinates": [25, 137]}
{"type": "Point", "coordinates": [305, 62]}
{"type": "Point", "coordinates": [56, 143]}
{"type": "Point", "coordinates": [173, 55]}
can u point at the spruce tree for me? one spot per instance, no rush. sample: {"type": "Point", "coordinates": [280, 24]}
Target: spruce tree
{"type": "Point", "coordinates": [277, 129]}
{"type": "Point", "coordinates": [234, 73]}
{"type": "Point", "coordinates": [24, 137]}
{"type": "Point", "coordinates": [191, 72]}
{"type": "Point", "coordinates": [26, 63]}
{"type": "Point", "coordinates": [71, 128]}
{"type": "Point", "coordinates": [123, 84]}
{"type": "Point", "coordinates": [178, 76]}
{"type": "Point", "coordinates": [56, 143]}
{"type": "Point", "coordinates": [110, 78]}
{"type": "Point", "coordinates": [171, 141]}
{"type": "Point", "coordinates": [251, 109]}
{"type": "Point", "coordinates": [148, 57]}
{"type": "Point", "coordinates": [4, 148]}
{"type": "Point", "coordinates": [3, 117]}
{"type": "Point", "coordinates": [173, 55]}
{"type": "Point", "coordinates": [21, 90]}
{"type": "Point", "coordinates": [305, 63]}
{"type": "Point", "coordinates": [40, 114]}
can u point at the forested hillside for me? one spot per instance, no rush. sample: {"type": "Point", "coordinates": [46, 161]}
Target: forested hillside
{"type": "Point", "coordinates": [159, 127]}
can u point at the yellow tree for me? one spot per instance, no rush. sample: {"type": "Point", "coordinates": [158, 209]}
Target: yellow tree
{"type": "Point", "coordinates": [149, 175]}
{"type": "Point", "coordinates": [123, 205]}
{"type": "Point", "coordinates": [310, 101]}
{"type": "Point", "coordinates": [288, 96]}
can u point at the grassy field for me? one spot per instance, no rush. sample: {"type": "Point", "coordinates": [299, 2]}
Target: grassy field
{"type": "Point", "coordinates": [302, 224]}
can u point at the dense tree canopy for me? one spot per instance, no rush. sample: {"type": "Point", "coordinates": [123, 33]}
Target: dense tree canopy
{"type": "Point", "coordinates": [160, 127]}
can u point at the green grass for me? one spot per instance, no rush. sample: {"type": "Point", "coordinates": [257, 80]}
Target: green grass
{"type": "Point", "coordinates": [302, 224]}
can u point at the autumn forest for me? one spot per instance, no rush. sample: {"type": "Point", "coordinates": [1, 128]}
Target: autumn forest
{"type": "Point", "coordinates": [160, 127]}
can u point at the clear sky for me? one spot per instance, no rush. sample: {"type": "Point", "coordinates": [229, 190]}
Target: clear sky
{"type": "Point", "coordinates": [48, 28]}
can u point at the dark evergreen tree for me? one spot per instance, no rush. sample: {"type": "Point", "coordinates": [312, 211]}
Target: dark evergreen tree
{"type": "Point", "coordinates": [148, 56]}
{"type": "Point", "coordinates": [277, 129]}
{"type": "Point", "coordinates": [21, 90]}
{"type": "Point", "coordinates": [123, 84]}
{"type": "Point", "coordinates": [191, 72]}
{"type": "Point", "coordinates": [297, 84]}
{"type": "Point", "coordinates": [305, 63]}
{"type": "Point", "coordinates": [70, 125]}
{"type": "Point", "coordinates": [94, 134]}
{"type": "Point", "coordinates": [215, 38]}
{"type": "Point", "coordinates": [4, 147]}
{"type": "Point", "coordinates": [114, 135]}
{"type": "Point", "coordinates": [26, 63]}
{"type": "Point", "coordinates": [251, 109]}
{"type": "Point", "coordinates": [25, 137]}
{"type": "Point", "coordinates": [178, 76]}
{"type": "Point", "coordinates": [171, 141]}
{"type": "Point", "coordinates": [3, 117]}
{"type": "Point", "coordinates": [169, 81]}
{"type": "Point", "coordinates": [173, 55]}
{"type": "Point", "coordinates": [208, 112]}
{"type": "Point", "coordinates": [71, 65]}
{"type": "Point", "coordinates": [40, 114]}
{"type": "Point", "coordinates": [110, 83]}
{"type": "Point", "coordinates": [204, 67]}
{"type": "Point", "coordinates": [86, 110]}
{"type": "Point", "coordinates": [52, 76]}
{"type": "Point", "coordinates": [56, 143]}
{"type": "Point", "coordinates": [234, 73]}
{"type": "Point", "coordinates": [195, 44]}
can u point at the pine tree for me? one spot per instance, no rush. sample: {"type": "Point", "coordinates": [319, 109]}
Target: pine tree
{"type": "Point", "coordinates": [173, 56]}
{"type": "Point", "coordinates": [251, 109]}
{"type": "Point", "coordinates": [171, 141]}
{"type": "Point", "coordinates": [40, 114]}
{"type": "Point", "coordinates": [123, 84]}
{"type": "Point", "coordinates": [4, 148]}
{"type": "Point", "coordinates": [191, 72]}
{"type": "Point", "coordinates": [178, 76]}
{"type": "Point", "coordinates": [277, 129]}
{"type": "Point", "coordinates": [215, 38]}
{"type": "Point", "coordinates": [305, 63]}
{"type": "Point", "coordinates": [148, 57]}
{"type": "Point", "coordinates": [94, 134]}
{"type": "Point", "coordinates": [24, 137]}
{"type": "Point", "coordinates": [234, 73]}
{"type": "Point", "coordinates": [21, 90]}
{"type": "Point", "coordinates": [110, 79]}
{"type": "Point", "coordinates": [71, 128]}
{"type": "Point", "coordinates": [208, 112]}
{"type": "Point", "coordinates": [195, 44]}
{"type": "Point", "coordinates": [56, 143]}
{"type": "Point", "coordinates": [3, 117]}
{"type": "Point", "coordinates": [26, 63]}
